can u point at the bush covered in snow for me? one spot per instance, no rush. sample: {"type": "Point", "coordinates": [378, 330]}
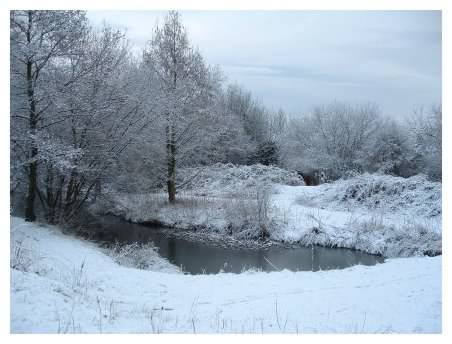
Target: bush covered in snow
{"type": "Point", "coordinates": [141, 256]}
{"type": "Point", "coordinates": [228, 179]}
{"type": "Point", "coordinates": [415, 195]}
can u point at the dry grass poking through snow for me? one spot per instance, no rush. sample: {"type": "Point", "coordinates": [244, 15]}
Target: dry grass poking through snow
{"type": "Point", "coordinates": [249, 217]}
{"type": "Point", "coordinates": [409, 196]}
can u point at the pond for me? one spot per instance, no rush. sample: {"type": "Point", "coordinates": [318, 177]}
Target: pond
{"type": "Point", "coordinates": [198, 258]}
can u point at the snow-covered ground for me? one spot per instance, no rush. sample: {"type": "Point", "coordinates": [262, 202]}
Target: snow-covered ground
{"type": "Point", "coordinates": [414, 196]}
{"type": "Point", "coordinates": [391, 216]}
{"type": "Point", "coordinates": [63, 284]}
{"type": "Point", "coordinates": [310, 216]}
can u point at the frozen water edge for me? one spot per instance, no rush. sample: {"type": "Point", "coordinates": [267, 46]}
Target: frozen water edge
{"type": "Point", "coordinates": [68, 285]}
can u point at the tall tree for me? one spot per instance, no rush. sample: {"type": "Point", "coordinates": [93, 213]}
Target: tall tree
{"type": "Point", "coordinates": [187, 87]}
{"type": "Point", "coordinates": [96, 91]}
{"type": "Point", "coordinates": [38, 39]}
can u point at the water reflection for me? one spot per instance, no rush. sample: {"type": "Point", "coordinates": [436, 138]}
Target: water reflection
{"type": "Point", "coordinates": [196, 258]}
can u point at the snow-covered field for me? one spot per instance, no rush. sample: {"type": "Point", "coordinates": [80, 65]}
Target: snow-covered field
{"type": "Point", "coordinates": [386, 215]}
{"type": "Point", "coordinates": [63, 284]}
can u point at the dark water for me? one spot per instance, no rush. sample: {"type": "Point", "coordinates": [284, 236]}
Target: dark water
{"type": "Point", "coordinates": [198, 258]}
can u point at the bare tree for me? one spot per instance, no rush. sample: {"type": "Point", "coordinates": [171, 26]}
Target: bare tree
{"type": "Point", "coordinates": [186, 88]}
{"type": "Point", "coordinates": [103, 116]}
{"type": "Point", "coordinates": [334, 137]}
{"type": "Point", "coordinates": [38, 39]}
{"type": "Point", "coordinates": [75, 115]}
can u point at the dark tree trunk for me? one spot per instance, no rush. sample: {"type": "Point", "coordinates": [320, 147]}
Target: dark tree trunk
{"type": "Point", "coordinates": [32, 186]}
{"type": "Point", "coordinates": [171, 180]}
{"type": "Point", "coordinates": [33, 164]}
{"type": "Point", "coordinates": [50, 196]}
{"type": "Point", "coordinates": [171, 191]}
{"type": "Point", "coordinates": [171, 139]}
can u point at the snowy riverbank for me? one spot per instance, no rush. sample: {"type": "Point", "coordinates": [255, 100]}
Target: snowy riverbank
{"type": "Point", "coordinates": [64, 284]}
{"type": "Point", "coordinates": [390, 216]}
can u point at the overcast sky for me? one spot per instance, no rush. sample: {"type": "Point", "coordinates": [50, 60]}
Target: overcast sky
{"type": "Point", "coordinates": [298, 59]}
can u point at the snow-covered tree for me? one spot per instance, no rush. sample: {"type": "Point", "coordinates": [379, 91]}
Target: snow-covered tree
{"type": "Point", "coordinates": [260, 125]}
{"type": "Point", "coordinates": [389, 152]}
{"type": "Point", "coordinates": [39, 39]}
{"type": "Point", "coordinates": [103, 113]}
{"type": "Point", "coordinates": [267, 153]}
{"type": "Point", "coordinates": [332, 137]}
{"type": "Point", "coordinates": [425, 134]}
{"type": "Point", "coordinates": [187, 87]}
{"type": "Point", "coordinates": [74, 107]}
